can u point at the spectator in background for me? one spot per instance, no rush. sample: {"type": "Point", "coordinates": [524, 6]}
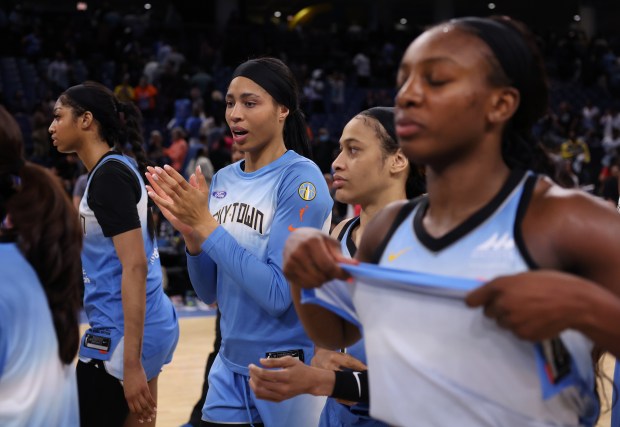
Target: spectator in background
{"type": "Point", "coordinates": [337, 87]}
{"type": "Point", "coordinates": [31, 43]}
{"type": "Point", "coordinates": [171, 87]}
{"type": "Point", "coordinates": [202, 80]}
{"type": "Point", "coordinates": [194, 124]}
{"type": "Point", "coordinates": [607, 121]}
{"type": "Point", "coordinates": [589, 115]}
{"type": "Point", "coordinates": [175, 58]}
{"type": "Point", "coordinates": [58, 73]}
{"type": "Point", "coordinates": [324, 150]}
{"type": "Point", "coordinates": [124, 91]}
{"type": "Point", "coordinates": [317, 92]}
{"type": "Point", "coordinates": [576, 151]}
{"type": "Point", "coordinates": [565, 118]}
{"type": "Point", "coordinates": [196, 98]}
{"type": "Point", "coordinates": [610, 183]}
{"type": "Point", "coordinates": [218, 107]}
{"type": "Point", "coordinates": [610, 145]}
{"type": "Point", "coordinates": [145, 95]}
{"type": "Point", "coordinates": [202, 160]}
{"type": "Point", "coordinates": [40, 136]}
{"type": "Point", "coordinates": [155, 150]}
{"type": "Point", "coordinates": [177, 150]}
{"type": "Point", "coordinates": [361, 62]}
{"type": "Point", "coordinates": [150, 70]}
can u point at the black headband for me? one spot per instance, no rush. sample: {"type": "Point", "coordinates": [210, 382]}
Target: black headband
{"type": "Point", "coordinates": [507, 44]}
{"type": "Point", "coordinates": [85, 98]}
{"type": "Point", "coordinates": [267, 78]}
{"type": "Point", "coordinates": [385, 116]}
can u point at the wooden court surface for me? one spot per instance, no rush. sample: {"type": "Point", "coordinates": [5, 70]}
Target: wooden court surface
{"type": "Point", "coordinates": [181, 381]}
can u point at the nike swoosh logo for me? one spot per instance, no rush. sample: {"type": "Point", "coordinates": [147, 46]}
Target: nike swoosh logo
{"type": "Point", "coordinates": [291, 228]}
{"type": "Point", "coordinates": [359, 384]}
{"type": "Point", "coordinates": [395, 256]}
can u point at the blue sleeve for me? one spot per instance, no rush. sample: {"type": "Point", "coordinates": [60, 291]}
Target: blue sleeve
{"type": "Point", "coordinates": [264, 281]}
{"type": "Point", "coordinates": [203, 275]}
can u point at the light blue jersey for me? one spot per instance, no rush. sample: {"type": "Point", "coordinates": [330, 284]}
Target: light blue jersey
{"type": "Point", "coordinates": [436, 361]}
{"type": "Point", "coordinates": [36, 388]}
{"type": "Point", "coordinates": [241, 262]}
{"type": "Point", "coordinates": [102, 291]}
{"type": "Point", "coordinates": [336, 414]}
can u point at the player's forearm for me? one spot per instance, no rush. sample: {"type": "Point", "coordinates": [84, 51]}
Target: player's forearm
{"type": "Point", "coordinates": [134, 308]}
{"type": "Point", "coordinates": [325, 328]}
{"type": "Point", "coordinates": [263, 281]}
{"type": "Point", "coordinates": [598, 318]}
{"type": "Point", "coordinates": [202, 272]}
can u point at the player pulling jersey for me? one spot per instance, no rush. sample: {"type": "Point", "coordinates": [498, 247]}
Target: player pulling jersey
{"type": "Point", "coordinates": [436, 361]}
{"type": "Point", "coordinates": [455, 357]}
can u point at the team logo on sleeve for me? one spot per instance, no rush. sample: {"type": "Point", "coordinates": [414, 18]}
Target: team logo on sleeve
{"type": "Point", "coordinates": [302, 211]}
{"type": "Point", "coordinates": [307, 191]}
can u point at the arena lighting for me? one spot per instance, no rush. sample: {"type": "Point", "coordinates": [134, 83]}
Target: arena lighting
{"type": "Point", "coordinates": [403, 21]}
{"type": "Point", "coordinates": [277, 13]}
{"type": "Point", "coordinates": [81, 5]}
{"type": "Point", "coordinates": [308, 13]}
{"type": "Point", "coordinates": [147, 6]}
{"type": "Point", "coordinates": [491, 6]}
{"type": "Point", "coordinates": [577, 18]}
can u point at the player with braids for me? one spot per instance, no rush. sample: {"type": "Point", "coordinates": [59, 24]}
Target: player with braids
{"type": "Point", "coordinates": [133, 326]}
{"type": "Point", "coordinates": [40, 246]}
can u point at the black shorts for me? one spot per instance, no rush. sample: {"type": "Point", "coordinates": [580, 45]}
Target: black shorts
{"type": "Point", "coordinates": [101, 396]}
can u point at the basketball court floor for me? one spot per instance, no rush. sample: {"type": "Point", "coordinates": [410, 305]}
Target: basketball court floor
{"type": "Point", "coordinates": [181, 381]}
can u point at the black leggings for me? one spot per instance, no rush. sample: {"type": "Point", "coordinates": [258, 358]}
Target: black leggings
{"type": "Point", "coordinates": [101, 396]}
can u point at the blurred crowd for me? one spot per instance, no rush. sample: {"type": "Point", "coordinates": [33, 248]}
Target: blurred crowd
{"type": "Point", "coordinates": [177, 75]}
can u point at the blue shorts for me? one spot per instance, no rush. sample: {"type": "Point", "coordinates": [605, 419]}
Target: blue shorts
{"type": "Point", "coordinates": [338, 415]}
{"type": "Point", "coordinates": [231, 400]}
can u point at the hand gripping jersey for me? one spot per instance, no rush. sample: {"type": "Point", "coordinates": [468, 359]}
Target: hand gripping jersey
{"type": "Point", "coordinates": [335, 413]}
{"type": "Point", "coordinates": [36, 388]}
{"type": "Point", "coordinates": [437, 362]}
{"type": "Point", "coordinates": [102, 291]}
{"type": "Point", "coordinates": [241, 261]}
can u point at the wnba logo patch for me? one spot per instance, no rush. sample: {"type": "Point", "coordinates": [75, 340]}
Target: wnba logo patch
{"type": "Point", "coordinates": [307, 191]}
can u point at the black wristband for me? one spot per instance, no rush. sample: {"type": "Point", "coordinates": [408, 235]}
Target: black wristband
{"type": "Point", "coordinates": [351, 386]}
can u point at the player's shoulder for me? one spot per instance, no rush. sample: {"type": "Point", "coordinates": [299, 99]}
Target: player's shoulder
{"type": "Point", "coordinates": [382, 225]}
{"type": "Point", "coordinates": [552, 202]}
{"type": "Point", "coordinates": [341, 227]}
